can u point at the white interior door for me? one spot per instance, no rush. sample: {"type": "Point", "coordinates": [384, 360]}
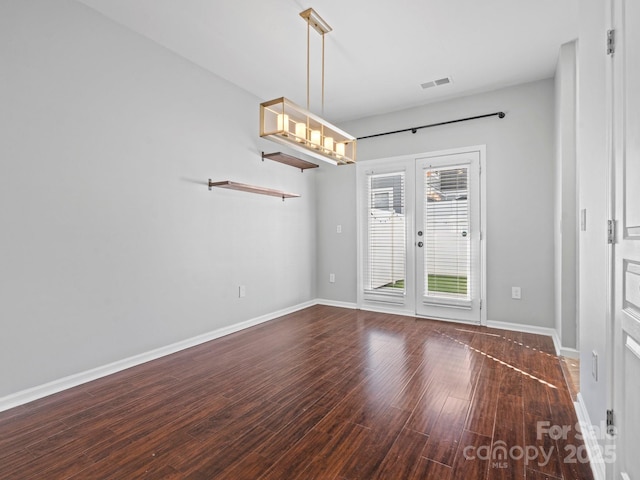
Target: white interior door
{"type": "Point", "coordinates": [448, 237]}
{"type": "Point", "coordinates": [626, 317]}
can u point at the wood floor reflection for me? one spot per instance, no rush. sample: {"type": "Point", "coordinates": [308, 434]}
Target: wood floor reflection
{"type": "Point", "coordinates": [324, 393]}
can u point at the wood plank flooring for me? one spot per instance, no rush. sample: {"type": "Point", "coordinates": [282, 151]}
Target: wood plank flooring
{"type": "Point", "coordinates": [324, 393]}
{"type": "Point", "coordinates": [571, 369]}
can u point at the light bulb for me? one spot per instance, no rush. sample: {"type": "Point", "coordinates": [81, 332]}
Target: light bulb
{"type": "Point", "coordinates": [315, 137]}
{"type": "Point", "coordinates": [301, 132]}
{"type": "Point", "coordinates": [283, 122]}
{"type": "Point", "coordinates": [328, 144]}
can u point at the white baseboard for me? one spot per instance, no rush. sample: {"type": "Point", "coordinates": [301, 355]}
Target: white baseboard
{"type": "Point", "coordinates": [334, 303]}
{"type": "Point", "coordinates": [551, 332]}
{"type": "Point", "coordinates": [570, 352]}
{"type": "Point", "coordinates": [590, 440]}
{"type": "Point", "coordinates": [40, 391]}
{"type": "Point", "coordinates": [517, 327]}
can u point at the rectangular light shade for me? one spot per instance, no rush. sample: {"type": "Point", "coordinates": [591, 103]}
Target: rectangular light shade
{"type": "Point", "coordinates": [287, 123]}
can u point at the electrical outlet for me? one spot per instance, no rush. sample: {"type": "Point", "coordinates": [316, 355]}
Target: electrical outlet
{"type": "Point", "coordinates": [332, 278]}
{"type": "Point", "coordinates": [339, 229]}
{"type": "Point", "coordinates": [242, 291]}
{"type": "Point", "coordinates": [516, 293]}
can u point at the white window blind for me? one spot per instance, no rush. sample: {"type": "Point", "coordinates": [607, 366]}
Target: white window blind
{"type": "Point", "coordinates": [447, 234]}
{"type": "Point", "coordinates": [385, 268]}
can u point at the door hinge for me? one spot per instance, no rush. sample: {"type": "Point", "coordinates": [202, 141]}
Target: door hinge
{"type": "Point", "coordinates": [480, 304]}
{"type": "Point", "coordinates": [610, 427]}
{"type": "Point", "coordinates": [611, 231]}
{"type": "Point", "coordinates": [611, 42]}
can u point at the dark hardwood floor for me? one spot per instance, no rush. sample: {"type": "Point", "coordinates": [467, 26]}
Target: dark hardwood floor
{"type": "Point", "coordinates": [571, 369]}
{"type": "Point", "coordinates": [324, 393]}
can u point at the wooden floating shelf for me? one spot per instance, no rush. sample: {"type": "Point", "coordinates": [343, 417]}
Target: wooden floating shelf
{"type": "Point", "coordinates": [289, 160]}
{"type": "Point", "coordinates": [252, 189]}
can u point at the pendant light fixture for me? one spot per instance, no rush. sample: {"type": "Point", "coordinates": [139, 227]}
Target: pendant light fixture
{"type": "Point", "coordinates": [284, 122]}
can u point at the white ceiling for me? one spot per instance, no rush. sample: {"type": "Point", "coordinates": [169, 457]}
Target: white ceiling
{"type": "Point", "coordinates": [377, 55]}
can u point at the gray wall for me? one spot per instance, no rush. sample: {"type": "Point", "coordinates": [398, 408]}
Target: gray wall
{"type": "Point", "coordinates": [566, 214]}
{"type": "Point", "coordinates": [111, 244]}
{"type": "Point", "coordinates": [337, 251]}
{"type": "Point", "coordinates": [520, 168]}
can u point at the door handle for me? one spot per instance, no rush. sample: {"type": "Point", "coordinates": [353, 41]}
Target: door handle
{"type": "Point", "coordinates": [420, 244]}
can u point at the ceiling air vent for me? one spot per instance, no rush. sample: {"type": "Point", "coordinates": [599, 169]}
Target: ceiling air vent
{"type": "Point", "coordinates": [437, 83]}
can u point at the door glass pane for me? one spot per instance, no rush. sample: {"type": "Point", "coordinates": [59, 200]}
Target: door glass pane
{"type": "Point", "coordinates": [447, 233]}
{"type": "Point", "coordinates": [386, 233]}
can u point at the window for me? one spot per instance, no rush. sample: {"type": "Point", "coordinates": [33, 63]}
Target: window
{"type": "Point", "coordinates": [385, 261]}
{"type": "Point", "coordinates": [447, 233]}
{"type": "Point", "coordinates": [382, 198]}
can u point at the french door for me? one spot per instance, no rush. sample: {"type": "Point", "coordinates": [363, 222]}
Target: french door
{"type": "Point", "coordinates": [420, 235]}
{"type": "Point", "coordinates": [447, 237]}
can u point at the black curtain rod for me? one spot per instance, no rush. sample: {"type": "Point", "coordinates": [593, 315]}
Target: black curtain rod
{"type": "Point", "coordinates": [415, 129]}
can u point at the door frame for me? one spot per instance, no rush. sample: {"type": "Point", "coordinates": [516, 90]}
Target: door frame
{"type": "Point", "coordinates": [407, 163]}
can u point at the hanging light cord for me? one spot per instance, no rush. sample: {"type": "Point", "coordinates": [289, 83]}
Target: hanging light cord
{"type": "Point", "coordinates": [308, 54]}
{"type": "Point", "coordinates": [323, 74]}
{"type": "Point", "coordinates": [309, 68]}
